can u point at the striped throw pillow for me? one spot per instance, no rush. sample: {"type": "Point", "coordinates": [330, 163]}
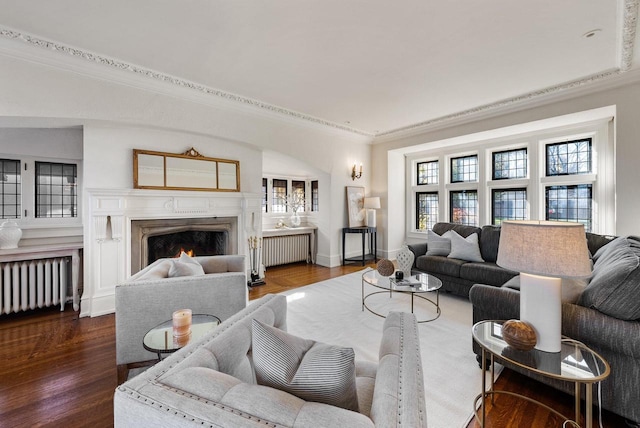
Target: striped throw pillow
{"type": "Point", "coordinates": [305, 368]}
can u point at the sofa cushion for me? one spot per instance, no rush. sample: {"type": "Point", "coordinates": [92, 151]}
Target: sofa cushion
{"type": "Point", "coordinates": [461, 229]}
{"type": "Point", "coordinates": [614, 288]}
{"type": "Point", "coordinates": [485, 273]}
{"type": "Point", "coordinates": [438, 245]}
{"type": "Point", "coordinates": [489, 243]}
{"type": "Point", "coordinates": [185, 266]}
{"type": "Point", "coordinates": [305, 368]}
{"type": "Point", "coordinates": [440, 264]}
{"type": "Point", "coordinates": [465, 248]}
{"type": "Point", "coordinates": [157, 270]}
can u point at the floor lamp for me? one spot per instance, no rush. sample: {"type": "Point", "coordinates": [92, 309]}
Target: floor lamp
{"type": "Point", "coordinates": [544, 252]}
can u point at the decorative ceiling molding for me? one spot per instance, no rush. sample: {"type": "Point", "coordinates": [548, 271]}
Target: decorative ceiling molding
{"type": "Point", "coordinates": [166, 78]}
{"type": "Point", "coordinates": [531, 96]}
{"type": "Point", "coordinates": [630, 18]}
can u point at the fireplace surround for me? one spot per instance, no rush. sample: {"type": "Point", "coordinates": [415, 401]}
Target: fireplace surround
{"type": "Point", "coordinates": [205, 236]}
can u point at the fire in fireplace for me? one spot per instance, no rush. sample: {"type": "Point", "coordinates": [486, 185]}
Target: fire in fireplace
{"type": "Point", "coordinates": [198, 242]}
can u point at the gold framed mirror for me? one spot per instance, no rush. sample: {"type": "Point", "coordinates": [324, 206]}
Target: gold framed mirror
{"type": "Point", "coordinates": [185, 171]}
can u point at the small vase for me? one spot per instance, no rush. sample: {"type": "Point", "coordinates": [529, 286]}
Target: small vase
{"type": "Point", "coordinates": [10, 234]}
{"type": "Point", "coordinates": [295, 219]}
{"type": "Point", "coordinates": [405, 259]}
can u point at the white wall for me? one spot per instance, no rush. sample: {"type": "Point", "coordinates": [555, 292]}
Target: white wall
{"type": "Point", "coordinates": [626, 99]}
{"type": "Point", "coordinates": [120, 111]}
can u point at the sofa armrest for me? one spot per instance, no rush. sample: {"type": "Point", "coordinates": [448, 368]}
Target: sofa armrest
{"type": "Point", "coordinates": [141, 305]}
{"type": "Point", "coordinates": [398, 397]}
{"type": "Point", "coordinates": [418, 250]}
{"type": "Point", "coordinates": [496, 303]}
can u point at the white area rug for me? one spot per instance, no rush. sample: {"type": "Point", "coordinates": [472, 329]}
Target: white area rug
{"type": "Point", "coordinates": [330, 312]}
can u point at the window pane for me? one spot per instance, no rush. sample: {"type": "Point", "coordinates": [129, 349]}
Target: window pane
{"type": "Point", "coordinates": [570, 203]}
{"type": "Point", "coordinates": [299, 195]}
{"type": "Point", "coordinates": [573, 157]}
{"type": "Point", "coordinates": [427, 210]}
{"type": "Point", "coordinates": [509, 204]}
{"type": "Point", "coordinates": [52, 181]}
{"type": "Point", "coordinates": [510, 164]}
{"type": "Point", "coordinates": [464, 207]}
{"type": "Point", "coordinates": [314, 196]}
{"type": "Point", "coordinates": [10, 188]}
{"type": "Point", "coordinates": [278, 203]}
{"type": "Point", "coordinates": [464, 169]}
{"type": "Point", "coordinates": [264, 195]}
{"type": "Point", "coordinates": [428, 172]}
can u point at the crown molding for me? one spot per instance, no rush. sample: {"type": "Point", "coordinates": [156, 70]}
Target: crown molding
{"type": "Point", "coordinates": [163, 82]}
{"type": "Point", "coordinates": [119, 71]}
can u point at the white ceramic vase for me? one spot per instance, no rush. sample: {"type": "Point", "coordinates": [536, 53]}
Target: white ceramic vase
{"type": "Point", "coordinates": [10, 234]}
{"type": "Point", "coordinates": [295, 219]}
{"type": "Point", "coordinates": [405, 259]}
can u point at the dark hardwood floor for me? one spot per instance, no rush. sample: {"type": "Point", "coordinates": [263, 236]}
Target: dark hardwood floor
{"type": "Point", "coordinates": [59, 370]}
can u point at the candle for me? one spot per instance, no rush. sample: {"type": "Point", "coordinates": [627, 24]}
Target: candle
{"type": "Point", "coordinates": [182, 322]}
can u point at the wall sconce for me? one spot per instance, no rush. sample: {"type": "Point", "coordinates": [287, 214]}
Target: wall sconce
{"type": "Point", "coordinates": [353, 172]}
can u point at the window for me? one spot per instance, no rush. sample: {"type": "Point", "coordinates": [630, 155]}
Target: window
{"type": "Point", "coordinates": [573, 157]}
{"type": "Point", "coordinates": [556, 171]}
{"type": "Point", "coordinates": [510, 164]}
{"type": "Point", "coordinates": [428, 172]}
{"type": "Point", "coordinates": [427, 210]}
{"type": "Point", "coordinates": [10, 185]}
{"type": "Point", "coordinates": [56, 194]}
{"type": "Point", "coordinates": [464, 207]}
{"type": "Point", "coordinates": [570, 203]}
{"type": "Point", "coordinates": [278, 203]}
{"type": "Point", "coordinates": [298, 191]}
{"type": "Point", "coordinates": [314, 196]}
{"type": "Point", "coordinates": [508, 204]}
{"type": "Point", "coordinates": [265, 206]}
{"type": "Point", "coordinates": [464, 169]}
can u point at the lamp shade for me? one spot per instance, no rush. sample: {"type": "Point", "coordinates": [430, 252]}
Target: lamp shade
{"type": "Point", "coordinates": [547, 248]}
{"type": "Point", "coordinates": [372, 203]}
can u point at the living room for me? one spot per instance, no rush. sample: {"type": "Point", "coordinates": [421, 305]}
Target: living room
{"type": "Point", "coordinates": [67, 101]}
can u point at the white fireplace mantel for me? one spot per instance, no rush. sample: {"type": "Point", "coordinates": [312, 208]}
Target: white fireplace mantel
{"type": "Point", "coordinates": [107, 231]}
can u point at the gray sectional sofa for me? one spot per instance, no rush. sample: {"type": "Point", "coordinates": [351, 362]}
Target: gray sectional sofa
{"type": "Point", "coordinates": [213, 382]}
{"type": "Point", "coordinates": [604, 315]}
{"type": "Point", "coordinates": [458, 276]}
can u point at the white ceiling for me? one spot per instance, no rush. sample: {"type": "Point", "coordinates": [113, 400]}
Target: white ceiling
{"type": "Point", "coordinates": [375, 66]}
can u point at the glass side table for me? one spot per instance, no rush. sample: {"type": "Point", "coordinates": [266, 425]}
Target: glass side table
{"type": "Point", "coordinates": [574, 363]}
{"type": "Point", "coordinates": [160, 338]}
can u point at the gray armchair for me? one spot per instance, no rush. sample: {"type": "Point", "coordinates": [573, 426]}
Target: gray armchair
{"type": "Point", "coordinates": [150, 297]}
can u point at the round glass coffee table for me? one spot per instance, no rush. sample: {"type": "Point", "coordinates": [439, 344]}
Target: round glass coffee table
{"type": "Point", "coordinates": [160, 338]}
{"type": "Point", "coordinates": [574, 363]}
{"type": "Point", "coordinates": [417, 285]}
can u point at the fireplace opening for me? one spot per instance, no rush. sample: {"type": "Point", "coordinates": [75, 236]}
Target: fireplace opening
{"type": "Point", "coordinates": [152, 239]}
{"type": "Point", "coordinates": [200, 242]}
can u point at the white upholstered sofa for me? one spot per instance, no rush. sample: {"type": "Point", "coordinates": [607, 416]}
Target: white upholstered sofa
{"type": "Point", "coordinates": [150, 296]}
{"type": "Point", "coordinates": [212, 382]}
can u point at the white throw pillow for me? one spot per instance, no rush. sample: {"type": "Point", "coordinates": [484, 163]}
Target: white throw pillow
{"type": "Point", "coordinates": [465, 248]}
{"type": "Point", "coordinates": [438, 245]}
{"type": "Point", "coordinates": [185, 266]}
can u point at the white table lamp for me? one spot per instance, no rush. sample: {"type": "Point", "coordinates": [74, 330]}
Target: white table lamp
{"type": "Point", "coordinates": [371, 204]}
{"type": "Point", "coordinates": [544, 252]}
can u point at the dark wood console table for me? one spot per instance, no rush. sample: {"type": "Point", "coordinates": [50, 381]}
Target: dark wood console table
{"type": "Point", "coordinates": [365, 231]}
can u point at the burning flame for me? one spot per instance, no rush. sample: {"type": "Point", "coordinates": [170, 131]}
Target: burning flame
{"type": "Point", "coordinates": [189, 253]}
